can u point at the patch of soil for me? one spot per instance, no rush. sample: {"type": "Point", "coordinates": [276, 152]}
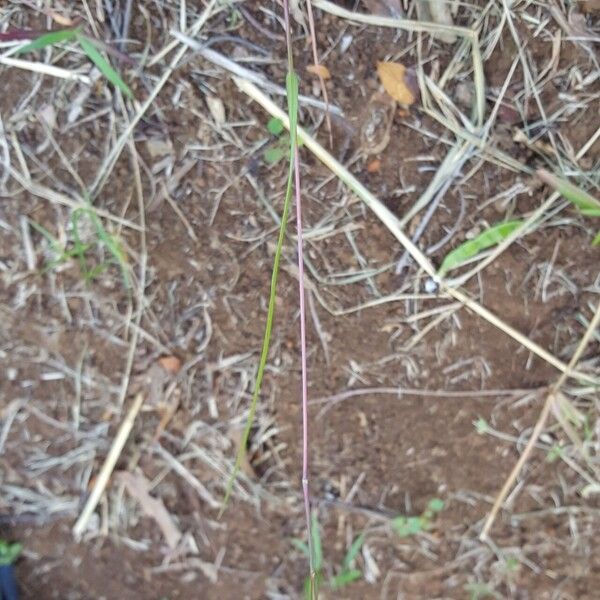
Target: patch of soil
{"type": "Point", "coordinates": [373, 456]}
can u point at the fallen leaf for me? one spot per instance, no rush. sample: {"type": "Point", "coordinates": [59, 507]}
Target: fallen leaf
{"type": "Point", "coordinates": [374, 166]}
{"type": "Point", "coordinates": [171, 364]}
{"type": "Point", "coordinates": [216, 108]}
{"type": "Point", "coordinates": [319, 71]}
{"type": "Point", "coordinates": [394, 80]}
{"type": "Point", "coordinates": [138, 487]}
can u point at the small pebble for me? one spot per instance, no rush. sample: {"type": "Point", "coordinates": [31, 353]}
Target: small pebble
{"type": "Point", "coordinates": [431, 287]}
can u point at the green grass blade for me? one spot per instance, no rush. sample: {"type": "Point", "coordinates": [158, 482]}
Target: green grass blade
{"type": "Point", "coordinates": [301, 546]}
{"type": "Point", "coordinates": [586, 203]}
{"type": "Point", "coordinates": [292, 86]}
{"type": "Point", "coordinates": [596, 240]}
{"type": "Point", "coordinates": [49, 39]}
{"type": "Point", "coordinates": [344, 578]}
{"type": "Point", "coordinates": [105, 68]}
{"type": "Point", "coordinates": [315, 536]}
{"type": "Point", "coordinates": [353, 552]}
{"type": "Point", "coordinates": [490, 237]}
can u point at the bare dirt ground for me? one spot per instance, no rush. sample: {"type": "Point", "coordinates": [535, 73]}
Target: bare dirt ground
{"type": "Point", "coordinates": [413, 395]}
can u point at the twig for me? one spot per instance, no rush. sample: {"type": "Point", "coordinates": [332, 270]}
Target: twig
{"type": "Point", "coordinates": [539, 426]}
{"type": "Point", "coordinates": [44, 69]}
{"type": "Point", "coordinates": [107, 468]}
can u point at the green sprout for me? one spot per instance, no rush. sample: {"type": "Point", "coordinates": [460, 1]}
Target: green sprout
{"type": "Point", "coordinates": [408, 526]}
{"type": "Point", "coordinates": [89, 47]}
{"type": "Point", "coordinates": [346, 573]}
{"type": "Point", "coordinates": [9, 552]}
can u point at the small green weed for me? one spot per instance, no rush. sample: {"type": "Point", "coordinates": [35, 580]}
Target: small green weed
{"type": "Point", "coordinates": [407, 526]}
{"type": "Point", "coordinates": [76, 249]}
{"type": "Point", "coordinates": [9, 552]}
{"type": "Point", "coordinates": [347, 573]}
{"type": "Point", "coordinates": [281, 147]}
{"type": "Point", "coordinates": [89, 47]}
{"type": "Point", "coordinates": [479, 591]}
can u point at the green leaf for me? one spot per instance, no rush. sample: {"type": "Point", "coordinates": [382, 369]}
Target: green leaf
{"type": "Point", "coordinates": [300, 545]}
{"type": "Point", "coordinates": [481, 426]}
{"type": "Point", "coordinates": [407, 526]}
{"type": "Point", "coordinates": [586, 203]}
{"type": "Point", "coordinates": [353, 551]}
{"type": "Point", "coordinates": [344, 578]}
{"type": "Point", "coordinates": [317, 548]}
{"type": "Point", "coordinates": [9, 551]}
{"type": "Point", "coordinates": [102, 64]}
{"type": "Point", "coordinates": [273, 155]}
{"type": "Point", "coordinates": [49, 39]}
{"type": "Point", "coordinates": [275, 126]}
{"type": "Point", "coordinates": [490, 237]}
{"type": "Point", "coordinates": [596, 240]}
{"type": "Point", "coordinates": [435, 505]}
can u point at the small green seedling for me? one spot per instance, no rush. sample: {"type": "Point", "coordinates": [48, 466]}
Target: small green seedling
{"type": "Point", "coordinates": [78, 250]}
{"type": "Point", "coordinates": [481, 426]}
{"type": "Point", "coordinates": [89, 47]}
{"type": "Point", "coordinates": [281, 147]}
{"type": "Point", "coordinates": [486, 239]}
{"type": "Point", "coordinates": [586, 203]}
{"type": "Point", "coordinates": [479, 591]}
{"type": "Point", "coordinates": [407, 526]}
{"type": "Point", "coordinates": [9, 552]}
{"type": "Point", "coordinates": [347, 573]}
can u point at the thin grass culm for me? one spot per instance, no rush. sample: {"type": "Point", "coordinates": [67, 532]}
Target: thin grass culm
{"type": "Point", "coordinates": [293, 180]}
{"type": "Point", "coordinates": [292, 85]}
{"type": "Point", "coordinates": [292, 96]}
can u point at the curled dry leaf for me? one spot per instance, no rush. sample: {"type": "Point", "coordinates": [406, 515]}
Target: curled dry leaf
{"type": "Point", "coordinates": [395, 80]}
{"type": "Point", "coordinates": [319, 71]}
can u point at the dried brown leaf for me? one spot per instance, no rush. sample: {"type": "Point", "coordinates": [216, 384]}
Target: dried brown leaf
{"type": "Point", "coordinates": [138, 487]}
{"type": "Point", "coordinates": [393, 77]}
{"type": "Point", "coordinates": [374, 166]}
{"type": "Point", "coordinates": [171, 364]}
{"type": "Point", "coordinates": [319, 71]}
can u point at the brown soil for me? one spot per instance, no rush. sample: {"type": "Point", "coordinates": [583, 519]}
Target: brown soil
{"type": "Point", "coordinates": [394, 451]}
